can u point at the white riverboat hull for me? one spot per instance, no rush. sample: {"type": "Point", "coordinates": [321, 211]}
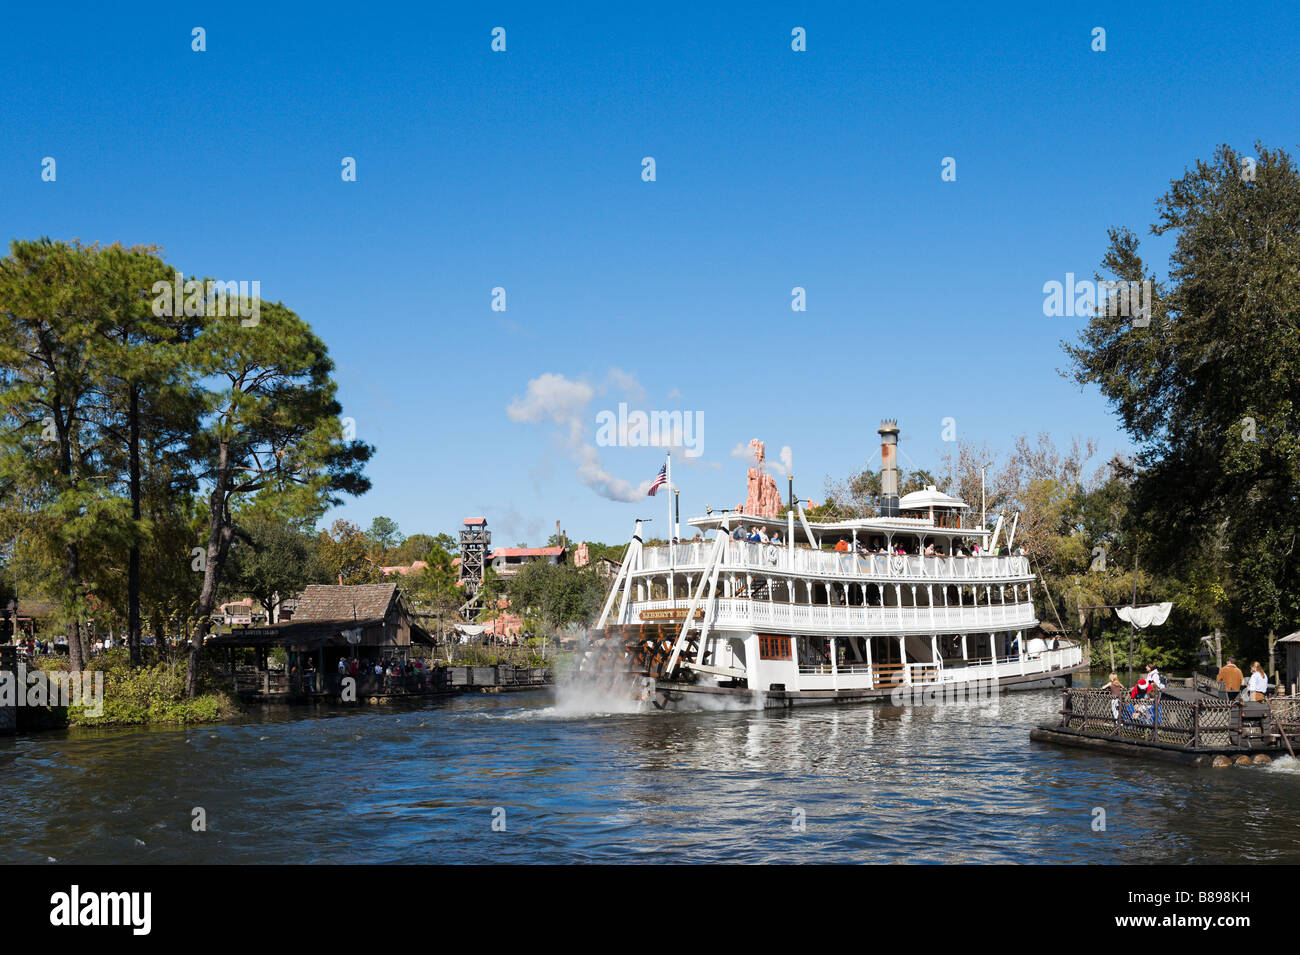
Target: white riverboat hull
{"type": "Point", "coordinates": [671, 695]}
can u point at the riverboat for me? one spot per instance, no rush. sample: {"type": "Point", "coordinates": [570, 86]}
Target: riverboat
{"type": "Point", "coordinates": [913, 601]}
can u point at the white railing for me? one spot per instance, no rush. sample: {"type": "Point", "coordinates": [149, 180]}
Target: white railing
{"type": "Point", "coordinates": [778, 558]}
{"type": "Point", "coordinates": [740, 614]}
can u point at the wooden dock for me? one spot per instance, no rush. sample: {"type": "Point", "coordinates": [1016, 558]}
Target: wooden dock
{"type": "Point", "coordinates": [500, 678]}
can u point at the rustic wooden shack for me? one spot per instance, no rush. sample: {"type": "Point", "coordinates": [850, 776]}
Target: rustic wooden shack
{"type": "Point", "coordinates": [1291, 645]}
{"type": "Point", "coordinates": [368, 623]}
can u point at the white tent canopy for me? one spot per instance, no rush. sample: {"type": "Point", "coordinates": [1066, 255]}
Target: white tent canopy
{"type": "Point", "coordinates": [1152, 615]}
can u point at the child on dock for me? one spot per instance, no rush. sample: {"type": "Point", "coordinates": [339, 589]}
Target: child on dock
{"type": "Point", "coordinates": [1117, 692]}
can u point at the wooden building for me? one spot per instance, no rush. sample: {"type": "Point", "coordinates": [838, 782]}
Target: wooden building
{"type": "Point", "coordinates": [366, 622]}
{"type": "Point", "coordinates": [1291, 645]}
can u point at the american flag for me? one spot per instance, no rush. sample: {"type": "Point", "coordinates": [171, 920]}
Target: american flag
{"type": "Point", "coordinates": [659, 481]}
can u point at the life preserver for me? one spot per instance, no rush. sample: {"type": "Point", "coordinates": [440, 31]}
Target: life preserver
{"type": "Point", "coordinates": [770, 552]}
{"type": "Point", "coordinates": [899, 564]}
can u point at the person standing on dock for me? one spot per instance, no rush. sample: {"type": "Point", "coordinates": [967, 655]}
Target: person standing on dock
{"type": "Point", "coordinates": [1154, 678]}
{"type": "Point", "coordinates": [1258, 686]}
{"type": "Point", "coordinates": [1117, 692]}
{"type": "Point", "coordinates": [1230, 676]}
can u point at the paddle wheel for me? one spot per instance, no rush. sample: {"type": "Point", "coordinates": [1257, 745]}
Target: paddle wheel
{"type": "Point", "coordinates": [644, 649]}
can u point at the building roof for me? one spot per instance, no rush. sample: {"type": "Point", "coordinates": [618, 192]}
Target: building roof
{"type": "Point", "coordinates": [1290, 638]}
{"type": "Point", "coordinates": [345, 602]}
{"type": "Point", "coordinates": [930, 497]}
{"type": "Point", "coordinates": [527, 552]}
{"type": "Point", "coordinates": [402, 569]}
{"type": "Point", "coordinates": [474, 521]}
{"type": "Point", "coordinates": [32, 608]}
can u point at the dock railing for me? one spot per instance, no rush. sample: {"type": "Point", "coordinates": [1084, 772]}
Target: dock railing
{"type": "Point", "coordinates": [1203, 724]}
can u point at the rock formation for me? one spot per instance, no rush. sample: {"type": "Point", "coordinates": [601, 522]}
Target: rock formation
{"type": "Point", "coordinates": [762, 498]}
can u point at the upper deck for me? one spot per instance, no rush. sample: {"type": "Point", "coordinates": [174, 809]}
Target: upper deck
{"type": "Point", "coordinates": [802, 561]}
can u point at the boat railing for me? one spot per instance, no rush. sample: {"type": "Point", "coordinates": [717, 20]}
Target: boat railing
{"type": "Point", "coordinates": [829, 563]}
{"type": "Point", "coordinates": [800, 616]}
{"type": "Point", "coordinates": [1198, 724]}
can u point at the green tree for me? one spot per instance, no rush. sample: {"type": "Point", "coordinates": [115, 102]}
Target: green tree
{"type": "Point", "coordinates": [273, 558]}
{"type": "Point", "coordinates": [53, 445]}
{"type": "Point", "coordinates": [555, 594]}
{"type": "Point", "coordinates": [384, 534]}
{"type": "Point", "coordinates": [272, 423]}
{"type": "Point", "coordinates": [345, 553]}
{"type": "Point", "coordinates": [1208, 385]}
{"type": "Point", "coordinates": [148, 399]}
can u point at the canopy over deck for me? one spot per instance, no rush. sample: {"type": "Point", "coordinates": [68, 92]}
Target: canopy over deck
{"type": "Point", "coordinates": [832, 530]}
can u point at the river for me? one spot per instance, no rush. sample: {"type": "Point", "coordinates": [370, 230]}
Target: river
{"type": "Point", "coordinates": [957, 782]}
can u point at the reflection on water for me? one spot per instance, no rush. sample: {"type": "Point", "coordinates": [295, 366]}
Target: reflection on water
{"type": "Point", "coordinates": [956, 782]}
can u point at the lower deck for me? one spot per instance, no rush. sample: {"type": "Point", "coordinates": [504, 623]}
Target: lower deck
{"type": "Point", "coordinates": [669, 693]}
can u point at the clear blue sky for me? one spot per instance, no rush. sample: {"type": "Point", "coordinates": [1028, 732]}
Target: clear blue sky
{"type": "Point", "coordinates": [522, 170]}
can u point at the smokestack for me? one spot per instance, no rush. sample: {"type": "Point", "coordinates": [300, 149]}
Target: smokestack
{"type": "Point", "coordinates": [888, 467]}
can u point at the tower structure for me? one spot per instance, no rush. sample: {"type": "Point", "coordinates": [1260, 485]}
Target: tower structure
{"type": "Point", "coordinates": [475, 546]}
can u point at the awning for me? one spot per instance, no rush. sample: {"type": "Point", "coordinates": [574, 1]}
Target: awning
{"type": "Point", "coordinates": [1152, 615]}
{"type": "Point", "coordinates": [304, 635]}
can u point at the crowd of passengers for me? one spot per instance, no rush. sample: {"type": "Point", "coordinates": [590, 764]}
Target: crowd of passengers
{"type": "Point", "coordinates": [877, 545]}
{"type": "Point", "coordinates": [1147, 690]}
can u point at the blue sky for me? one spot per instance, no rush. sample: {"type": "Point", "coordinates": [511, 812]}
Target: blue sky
{"type": "Point", "coordinates": [523, 170]}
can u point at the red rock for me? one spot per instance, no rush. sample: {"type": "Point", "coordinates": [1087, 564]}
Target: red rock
{"type": "Point", "coordinates": [762, 497]}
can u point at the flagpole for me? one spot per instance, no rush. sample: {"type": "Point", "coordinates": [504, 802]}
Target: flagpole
{"type": "Point", "coordinates": [669, 474]}
{"type": "Point", "coordinates": [672, 551]}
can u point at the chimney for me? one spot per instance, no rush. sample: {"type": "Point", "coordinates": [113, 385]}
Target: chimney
{"type": "Point", "coordinates": [888, 467]}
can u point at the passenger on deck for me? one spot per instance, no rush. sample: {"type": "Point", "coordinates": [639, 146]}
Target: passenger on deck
{"type": "Point", "coordinates": [1258, 685]}
{"type": "Point", "coordinates": [739, 533]}
{"type": "Point", "coordinates": [762, 535]}
{"type": "Point", "coordinates": [753, 537]}
{"type": "Point", "coordinates": [776, 537]}
{"type": "Point", "coordinates": [842, 545]}
{"type": "Point", "coordinates": [1230, 676]}
{"type": "Point", "coordinates": [929, 549]}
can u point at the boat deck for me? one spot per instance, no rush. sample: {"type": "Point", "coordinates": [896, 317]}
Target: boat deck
{"type": "Point", "coordinates": [1182, 724]}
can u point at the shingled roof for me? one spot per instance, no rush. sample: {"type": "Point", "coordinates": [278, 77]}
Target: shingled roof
{"type": "Point", "coordinates": [346, 602]}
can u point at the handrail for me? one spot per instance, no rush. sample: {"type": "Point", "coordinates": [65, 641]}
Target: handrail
{"type": "Point", "coordinates": [777, 558]}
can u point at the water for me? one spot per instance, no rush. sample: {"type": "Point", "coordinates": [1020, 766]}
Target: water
{"type": "Point", "coordinates": [954, 783]}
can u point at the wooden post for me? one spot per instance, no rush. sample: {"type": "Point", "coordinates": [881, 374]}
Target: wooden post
{"type": "Point", "coordinates": [1132, 628]}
